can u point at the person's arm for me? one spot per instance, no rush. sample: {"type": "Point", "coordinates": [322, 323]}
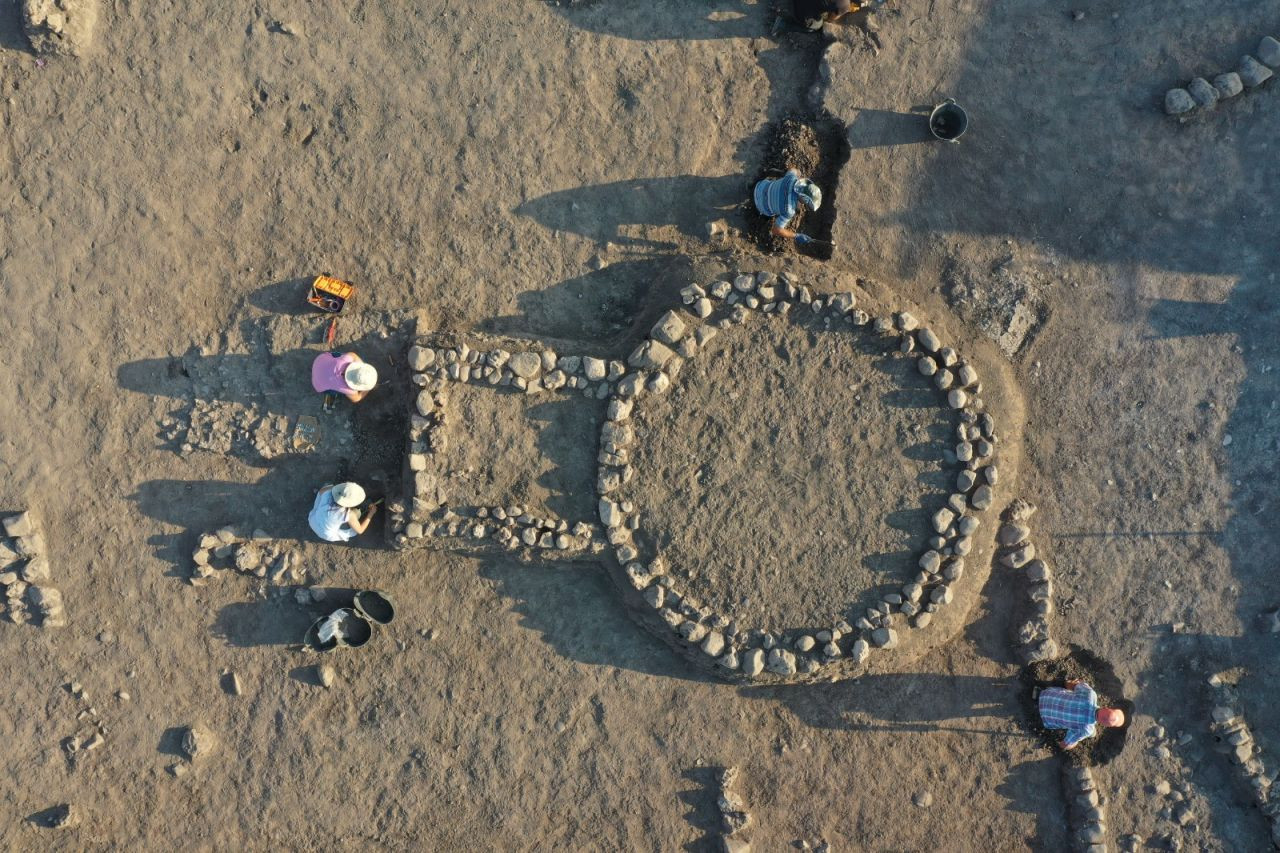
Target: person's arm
{"type": "Point", "coordinates": [358, 524]}
{"type": "Point", "coordinates": [1074, 736]}
{"type": "Point", "coordinates": [780, 229]}
{"type": "Point", "coordinates": [1072, 683]}
{"type": "Point", "coordinates": [355, 396]}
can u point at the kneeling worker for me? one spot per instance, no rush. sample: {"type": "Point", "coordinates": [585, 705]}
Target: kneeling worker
{"type": "Point", "coordinates": [1075, 709]}
{"type": "Point", "coordinates": [346, 374]}
{"type": "Point", "coordinates": [780, 198]}
{"type": "Point", "coordinates": [333, 516]}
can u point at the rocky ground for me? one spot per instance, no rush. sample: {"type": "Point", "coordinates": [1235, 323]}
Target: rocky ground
{"type": "Point", "coordinates": [173, 179]}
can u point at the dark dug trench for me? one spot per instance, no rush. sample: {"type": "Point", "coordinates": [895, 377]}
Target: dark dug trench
{"type": "Point", "coordinates": [1085, 666]}
{"type": "Point", "coordinates": [817, 149]}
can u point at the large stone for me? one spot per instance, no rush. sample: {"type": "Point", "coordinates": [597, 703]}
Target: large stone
{"type": "Point", "coordinates": [420, 358]}
{"type": "Point", "coordinates": [928, 340]}
{"type": "Point", "coordinates": [1269, 51]}
{"type": "Point", "coordinates": [1253, 73]}
{"type": "Point", "coordinates": [650, 355]}
{"type": "Point", "coordinates": [197, 742]}
{"type": "Point", "coordinates": [942, 519]}
{"type": "Point", "coordinates": [611, 514]}
{"type": "Point", "coordinates": [1178, 101]}
{"type": "Point", "coordinates": [36, 570]}
{"type": "Point", "coordinates": [1228, 85]}
{"type": "Point", "coordinates": [669, 329]}
{"type": "Point", "coordinates": [22, 524]}
{"type": "Point", "coordinates": [981, 498]}
{"type": "Point", "coordinates": [1020, 557]}
{"type": "Point", "coordinates": [859, 651]}
{"type": "Point", "coordinates": [781, 662]}
{"type": "Point", "coordinates": [526, 365]}
{"type": "Point", "coordinates": [885, 638]}
{"type": "Point", "coordinates": [1012, 533]}
{"type": "Point", "coordinates": [713, 643]}
{"type": "Point", "coordinates": [753, 663]}
{"type": "Point", "coordinates": [60, 26]}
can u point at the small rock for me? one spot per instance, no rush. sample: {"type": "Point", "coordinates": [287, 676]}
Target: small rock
{"type": "Point", "coordinates": [1012, 533]}
{"type": "Point", "coordinates": [922, 799]}
{"type": "Point", "coordinates": [753, 663]}
{"type": "Point", "coordinates": [859, 651]}
{"type": "Point", "coordinates": [957, 398]}
{"type": "Point", "coordinates": [1178, 101]}
{"type": "Point", "coordinates": [325, 675]}
{"type": "Point", "coordinates": [781, 661]}
{"type": "Point", "coordinates": [982, 497]}
{"type": "Point", "coordinates": [885, 638]}
{"type": "Point", "coordinates": [804, 643]}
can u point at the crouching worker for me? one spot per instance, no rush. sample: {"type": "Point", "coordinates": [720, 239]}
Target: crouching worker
{"type": "Point", "coordinates": [334, 516]}
{"type": "Point", "coordinates": [345, 374]}
{"type": "Point", "coordinates": [780, 198]}
{"type": "Point", "coordinates": [1074, 708]}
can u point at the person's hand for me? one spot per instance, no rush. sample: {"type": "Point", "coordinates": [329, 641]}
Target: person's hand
{"type": "Point", "coordinates": [1072, 683]}
{"type": "Point", "coordinates": [803, 239]}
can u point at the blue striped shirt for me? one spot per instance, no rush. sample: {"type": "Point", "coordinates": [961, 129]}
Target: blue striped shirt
{"type": "Point", "coordinates": [777, 198]}
{"type": "Point", "coordinates": [1073, 710]}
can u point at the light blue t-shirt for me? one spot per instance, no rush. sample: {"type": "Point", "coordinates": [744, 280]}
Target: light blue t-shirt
{"type": "Point", "coordinates": [778, 197]}
{"type": "Point", "coordinates": [328, 520]}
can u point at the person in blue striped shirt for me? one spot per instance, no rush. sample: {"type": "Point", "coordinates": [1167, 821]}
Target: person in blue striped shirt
{"type": "Point", "coordinates": [780, 198]}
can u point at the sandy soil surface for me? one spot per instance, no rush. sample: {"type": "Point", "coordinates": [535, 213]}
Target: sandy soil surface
{"type": "Point", "coordinates": [546, 169]}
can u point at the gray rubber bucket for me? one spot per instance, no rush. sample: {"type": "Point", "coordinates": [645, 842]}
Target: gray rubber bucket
{"type": "Point", "coordinates": [948, 121]}
{"type": "Point", "coordinates": [376, 606]}
{"type": "Point", "coordinates": [355, 630]}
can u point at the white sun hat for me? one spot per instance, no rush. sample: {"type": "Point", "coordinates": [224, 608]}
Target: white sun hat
{"type": "Point", "coordinates": [360, 376]}
{"type": "Point", "coordinates": [348, 495]}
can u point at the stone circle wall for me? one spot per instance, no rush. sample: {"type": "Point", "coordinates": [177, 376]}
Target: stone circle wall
{"type": "Point", "coordinates": [1200, 94]}
{"type": "Point", "coordinates": [737, 651]}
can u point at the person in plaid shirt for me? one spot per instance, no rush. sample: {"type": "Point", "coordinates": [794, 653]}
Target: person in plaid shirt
{"type": "Point", "coordinates": [1075, 708]}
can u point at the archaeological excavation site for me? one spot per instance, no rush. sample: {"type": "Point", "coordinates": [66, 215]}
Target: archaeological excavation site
{"type": "Point", "coordinates": [703, 425]}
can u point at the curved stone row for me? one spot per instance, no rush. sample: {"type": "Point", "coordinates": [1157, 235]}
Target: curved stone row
{"type": "Point", "coordinates": [1084, 805]}
{"type": "Point", "coordinates": [1233, 737]}
{"type": "Point", "coordinates": [1203, 95]}
{"type": "Point", "coordinates": [735, 650]}
{"type": "Point", "coordinates": [24, 574]}
{"type": "Point", "coordinates": [1032, 638]}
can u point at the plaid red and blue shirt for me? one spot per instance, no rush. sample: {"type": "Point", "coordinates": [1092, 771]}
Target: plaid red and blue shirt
{"type": "Point", "coordinates": [1073, 710]}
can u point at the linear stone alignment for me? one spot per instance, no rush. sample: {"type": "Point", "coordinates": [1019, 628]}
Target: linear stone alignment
{"type": "Point", "coordinates": [1033, 638]}
{"type": "Point", "coordinates": [1201, 94]}
{"type": "Point", "coordinates": [24, 574]}
{"type": "Point", "coordinates": [1088, 819]}
{"type": "Point", "coordinates": [1234, 738]}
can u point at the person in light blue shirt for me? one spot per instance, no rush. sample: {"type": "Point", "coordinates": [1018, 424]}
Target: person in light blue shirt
{"type": "Point", "coordinates": [334, 517]}
{"type": "Point", "coordinates": [780, 198]}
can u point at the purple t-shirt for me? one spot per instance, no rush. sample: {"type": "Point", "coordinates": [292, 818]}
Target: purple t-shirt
{"type": "Point", "coordinates": [327, 372]}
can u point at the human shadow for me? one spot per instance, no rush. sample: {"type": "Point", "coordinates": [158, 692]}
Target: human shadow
{"type": "Point", "coordinates": [708, 19]}
{"type": "Point", "coordinates": [886, 128]}
{"type": "Point", "coordinates": [604, 211]}
{"type": "Point", "coordinates": [568, 435]}
{"type": "Point", "coordinates": [1035, 787]}
{"type": "Point", "coordinates": [580, 613]}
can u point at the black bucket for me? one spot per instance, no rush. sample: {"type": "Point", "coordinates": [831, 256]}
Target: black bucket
{"type": "Point", "coordinates": [356, 630]}
{"type": "Point", "coordinates": [312, 640]}
{"type": "Point", "coordinates": [948, 121]}
{"type": "Point", "coordinates": [376, 606]}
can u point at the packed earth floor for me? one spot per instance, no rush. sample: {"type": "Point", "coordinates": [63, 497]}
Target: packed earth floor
{"type": "Point", "coordinates": [562, 171]}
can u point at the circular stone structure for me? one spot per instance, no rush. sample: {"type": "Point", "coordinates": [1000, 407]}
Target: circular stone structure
{"type": "Point", "coordinates": [734, 608]}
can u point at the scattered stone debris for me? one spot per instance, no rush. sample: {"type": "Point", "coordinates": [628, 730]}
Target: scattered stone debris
{"type": "Point", "coordinates": [92, 733]}
{"type": "Point", "coordinates": [249, 553]}
{"type": "Point", "coordinates": [1234, 738]}
{"type": "Point", "coordinates": [1203, 95]}
{"type": "Point", "coordinates": [59, 26]}
{"type": "Point", "coordinates": [25, 575]}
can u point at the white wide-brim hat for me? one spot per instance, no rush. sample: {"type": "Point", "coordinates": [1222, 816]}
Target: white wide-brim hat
{"type": "Point", "coordinates": [360, 376]}
{"type": "Point", "coordinates": [348, 495]}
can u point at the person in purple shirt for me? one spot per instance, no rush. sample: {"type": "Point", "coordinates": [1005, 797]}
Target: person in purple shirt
{"type": "Point", "coordinates": [344, 374]}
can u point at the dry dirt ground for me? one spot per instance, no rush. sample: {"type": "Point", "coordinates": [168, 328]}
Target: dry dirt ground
{"type": "Point", "coordinates": [534, 167]}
